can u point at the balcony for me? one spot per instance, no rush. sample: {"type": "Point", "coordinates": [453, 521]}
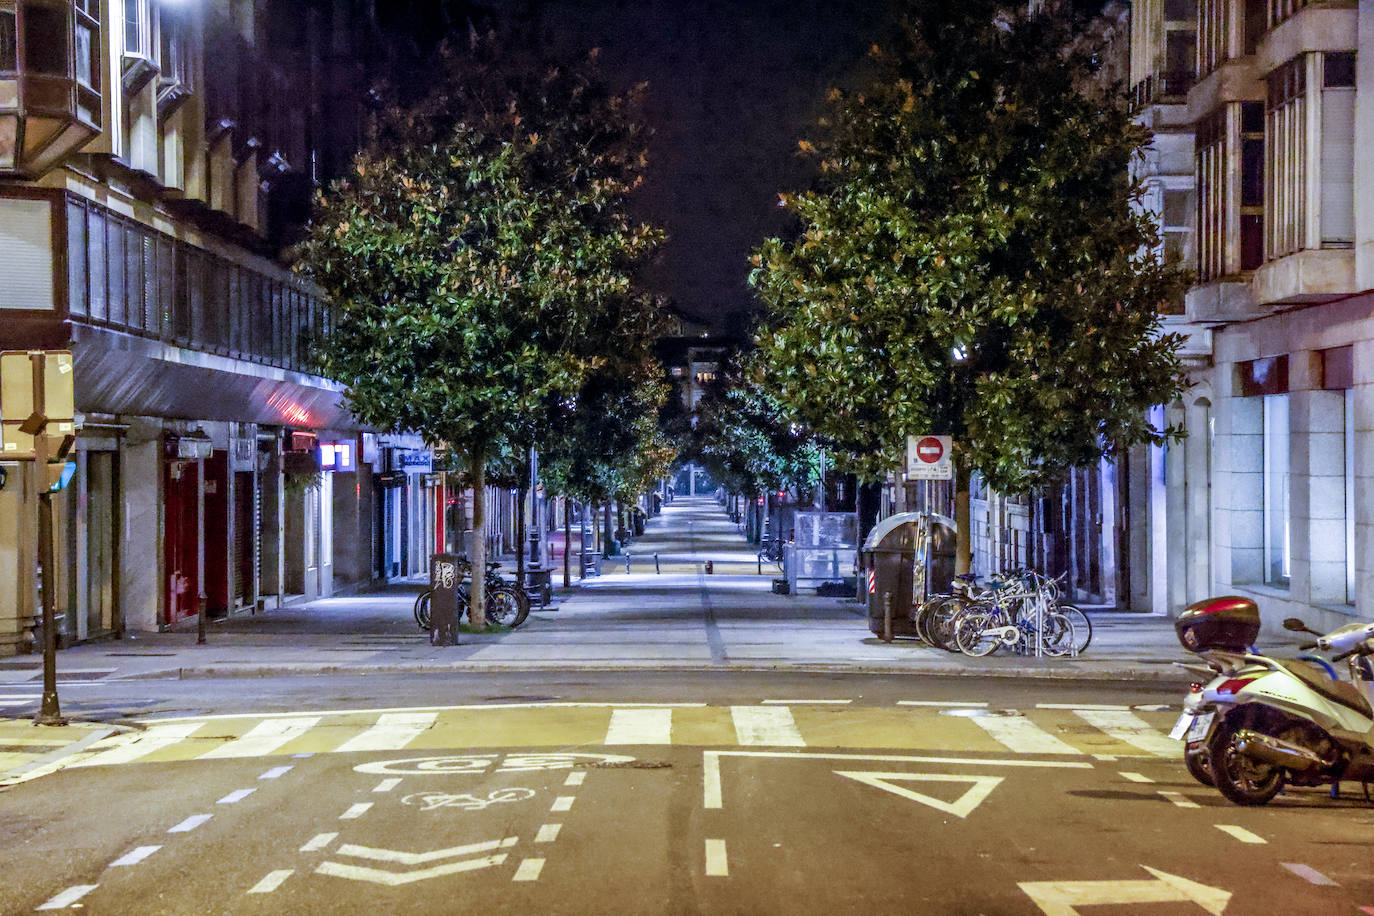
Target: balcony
{"type": "Point", "coordinates": [50, 100]}
{"type": "Point", "coordinates": [1162, 89]}
{"type": "Point", "coordinates": [1306, 277]}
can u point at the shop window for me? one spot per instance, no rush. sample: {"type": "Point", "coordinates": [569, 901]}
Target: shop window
{"type": "Point", "coordinates": [1277, 540]}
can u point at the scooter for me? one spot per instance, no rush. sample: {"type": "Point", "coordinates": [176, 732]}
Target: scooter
{"type": "Point", "coordinates": [1261, 723]}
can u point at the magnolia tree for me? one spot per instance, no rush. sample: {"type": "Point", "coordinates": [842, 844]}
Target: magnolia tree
{"type": "Point", "coordinates": [969, 262]}
{"type": "Point", "coordinates": [475, 251]}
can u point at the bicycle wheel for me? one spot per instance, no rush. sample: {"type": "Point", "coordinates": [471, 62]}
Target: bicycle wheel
{"type": "Point", "coordinates": [422, 609]}
{"type": "Point", "coordinates": [1082, 627]}
{"type": "Point", "coordinates": [1060, 634]}
{"type": "Point", "coordinates": [920, 620]}
{"type": "Point", "coordinates": [941, 626]}
{"type": "Point", "coordinates": [503, 607]}
{"type": "Point", "coordinates": [973, 637]}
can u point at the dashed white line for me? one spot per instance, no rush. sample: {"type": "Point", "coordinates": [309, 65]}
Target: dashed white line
{"type": "Point", "coordinates": [575, 778]}
{"type": "Point", "coordinates": [529, 870]}
{"type": "Point", "coordinates": [271, 881]}
{"type": "Point", "coordinates": [640, 726]}
{"type": "Point", "coordinates": [547, 833]}
{"type": "Point", "coordinates": [276, 772]}
{"type": "Point", "coordinates": [235, 796]}
{"type": "Point", "coordinates": [318, 841]}
{"type": "Point", "coordinates": [766, 726]}
{"type": "Point", "coordinates": [563, 803]}
{"type": "Point", "coordinates": [191, 823]}
{"type": "Point", "coordinates": [717, 866]}
{"type": "Point", "coordinates": [959, 705]}
{"type": "Point", "coordinates": [386, 785]}
{"type": "Point", "coordinates": [1309, 874]}
{"type": "Point", "coordinates": [1136, 777]}
{"type": "Point", "coordinates": [355, 811]}
{"type": "Point", "coordinates": [1240, 833]}
{"type": "Point", "coordinates": [135, 856]}
{"type": "Point", "coordinates": [68, 897]}
{"type": "Point", "coordinates": [1178, 799]}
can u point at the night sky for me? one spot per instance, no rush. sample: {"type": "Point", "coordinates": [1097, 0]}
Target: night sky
{"type": "Point", "coordinates": [734, 84]}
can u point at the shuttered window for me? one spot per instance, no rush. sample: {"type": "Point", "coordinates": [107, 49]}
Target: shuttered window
{"type": "Point", "coordinates": [26, 241]}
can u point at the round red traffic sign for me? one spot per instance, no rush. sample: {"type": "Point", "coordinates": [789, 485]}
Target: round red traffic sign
{"type": "Point", "coordinates": [930, 450]}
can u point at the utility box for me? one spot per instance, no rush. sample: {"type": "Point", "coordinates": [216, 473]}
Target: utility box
{"type": "Point", "coordinates": [444, 605]}
{"type": "Point", "coordinates": [908, 556]}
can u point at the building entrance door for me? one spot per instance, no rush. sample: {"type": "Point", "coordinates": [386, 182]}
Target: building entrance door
{"type": "Point", "coordinates": [181, 540]}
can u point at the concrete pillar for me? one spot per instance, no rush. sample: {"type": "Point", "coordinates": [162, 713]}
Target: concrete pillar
{"type": "Point", "coordinates": [141, 573]}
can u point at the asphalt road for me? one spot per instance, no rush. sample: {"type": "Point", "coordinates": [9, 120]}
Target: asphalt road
{"type": "Point", "coordinates": [739, 793]}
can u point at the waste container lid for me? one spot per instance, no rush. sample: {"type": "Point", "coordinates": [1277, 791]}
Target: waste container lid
{"type": "Point", "coordinates": [893, 522]}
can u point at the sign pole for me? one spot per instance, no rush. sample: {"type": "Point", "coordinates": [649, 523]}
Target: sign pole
{"type": "Point", "coordinates": [50, 713]}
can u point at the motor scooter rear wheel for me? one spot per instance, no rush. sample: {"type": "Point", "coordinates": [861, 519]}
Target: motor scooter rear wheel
{"type": "Point", "coordinates": [1198, 762]}
{"type": "Point", "coordinates": [1239, 779]}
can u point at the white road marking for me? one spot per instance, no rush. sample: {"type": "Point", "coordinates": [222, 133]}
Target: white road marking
{"type": "Point", "coordinates": [410, 709]}
{"type": "Point", "coordinates": [1116, 707]}
{"type": "Point", "coordinates": [767, 726]}
{"type": "Point", "coordinates": [640, 726]}
{"type": "Point", "coordinates": [401, 857]}
{"type": "Point", "coordinates": [575, 778]}
{"type": "Point", "coordinates": [1240, 833]}
{"type": "Point", "coordinates": [386, 785]}
{"type": "Point", "coordinates": [717, 866]}
{"type": "Point", "coordinates": [191, 823]}
{"type": "Point", "coordinates": [396, 879]}
{"type": "Point", "coordinates": [1063, 898]}
{"type": "Point", "coordinates": [1107, 758]}
{"type": "Point", "coordinates": [142, 744]}
{"type": "Point", "coordinates": [1179, 800]}
{"type": "Point", "coordinates": [271, 881]}
{"type": "Point", "coordinates": [1019, 734]}
{"type": "Point", "coordinates": [68, 897]}
{"type": "Point", "coordinates": [1309, 874]}
{"type": "Point", "coordinates": [529, 870]}
{"type": "Point", "coordinates": [393, 731]}
{"type": "Point", "coordinates": [355, 811]}
{"type": "Point", "coordinates": [711, 780]}
{"type": "Point", "coordinates": [1136, 777]}
{"type": "Point", "coordinates": [941, 703]}
{"type": "Point", "coordinates": [1130, 729]}
{"type": "Point", "coordinates": [318, 841]}
{"type": "Point", "coordinates": [135, 856]}
{"type": "Point", "coordinates": [563, 803]}
{"type": "Point", "coordinates": [961, 807]}
{"type": "Point", "coordinates": [806, 702]}
{"type": "Point", "coordinates": [237, 795]}
{"type": "Point", "coordinates": [547, 833]}
{"type": "Point", "coordinates": [276, 772]}
{"type": "Point", "coordinates": [263, 738]}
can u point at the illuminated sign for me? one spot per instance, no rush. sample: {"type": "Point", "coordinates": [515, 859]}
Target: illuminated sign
{"type": "Point", "coordinates": [337, 456]}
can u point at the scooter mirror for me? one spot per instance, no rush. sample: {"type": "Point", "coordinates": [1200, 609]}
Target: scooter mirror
{"type": "Point", "coordinates": [1296, 625]}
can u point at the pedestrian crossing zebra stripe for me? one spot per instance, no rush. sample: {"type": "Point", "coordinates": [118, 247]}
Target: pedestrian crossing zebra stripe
{"type": "Point", "coordinates": [1019, 734]}
{"type": "Point", "coordinates": [264, 738]}
{"type": "Point", "coordinates": [393, 731]}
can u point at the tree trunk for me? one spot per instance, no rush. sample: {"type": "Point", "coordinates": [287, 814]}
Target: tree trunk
{"type": "Point", "coordinates": [522, 494]}
{"type": "Point", "coordinates": [607, 535]}
{"type": "Point", "coordinates": [963, 550]}
{"type": "Point", "coordinates": [567, 541]}
{"type": "Point", "coordinates": [477, 605]}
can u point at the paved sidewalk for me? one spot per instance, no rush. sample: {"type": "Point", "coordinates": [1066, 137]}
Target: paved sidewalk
{"type": "Point", "coordinates": [679, 619]}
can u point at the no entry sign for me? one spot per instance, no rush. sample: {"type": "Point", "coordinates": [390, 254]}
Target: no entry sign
{"type": "Point", "coordinates": [928, 458]}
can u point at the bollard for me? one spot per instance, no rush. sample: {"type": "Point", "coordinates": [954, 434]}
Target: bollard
{"type": "Point", "coordinates": [627, 562]}
{"type": "Point", "coordinates": [887, 617]}
{"type": "Point", "coordinates": [656, 567]}
{"type": "Point", "coordinates": [710, 567]}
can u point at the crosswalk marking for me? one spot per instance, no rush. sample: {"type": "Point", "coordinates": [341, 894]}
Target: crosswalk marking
{"type": "Point", "coordinates": [151, 741]}
{"type": "Point", "coordinates": [393, 731]}
{"type": "Point", "coordinates": [766, 726]}
{"type": "Point", "coordinates": [640, 726]}
{"type": "Point", "coordinates": [263, 738]}
{"type": "Point", "coordinates": [1129, 728]}
{"type": "Point", "coordinates": [1019, 734]}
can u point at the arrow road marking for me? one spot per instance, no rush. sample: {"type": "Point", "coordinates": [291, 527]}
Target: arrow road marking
{"type": "Point", "coordinates": [401, 857]}
{"type": "Point", "coordinates": [395, 879]}
{"type": "Point", "coordinates": [973, 796]}
{"type": "Point", "coordinates": [1062, 898]}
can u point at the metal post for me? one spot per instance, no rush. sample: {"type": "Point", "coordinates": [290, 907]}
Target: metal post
{"type": "Point", "coordinates": [50, 712]}
{"type": "Point", "coordinates": [657, 570]}
{"type": "Point", "coordinates": [887, 617]}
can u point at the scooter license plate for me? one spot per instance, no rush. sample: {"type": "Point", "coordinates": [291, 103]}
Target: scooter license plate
{"type": "Point", "coordinates": [1201, 724]}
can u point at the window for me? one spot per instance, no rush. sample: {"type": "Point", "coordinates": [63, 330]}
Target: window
{"type": "Point", "coordinates": [1251, 185]}
{"type": "Point", "coordinates": [1337, 161]}
{"type": "Point", "coordinates": [1230, 231]}
{"type": "Point", "coordinates": [1279, 10]}
{"type": "Point", "coordinates": [1277, 546]}
{"type": "Point", "coordinates": [1285, 142]}
{"type": "Point", "coordinates": [9, 42]}
{"type": "Point", "coordinates": [47, 45]}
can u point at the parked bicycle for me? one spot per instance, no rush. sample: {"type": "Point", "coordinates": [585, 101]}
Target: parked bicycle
{"type": "Point", "coordinates": [1020, 611]}
{"type": "Point", "coordinates": [508, 604]}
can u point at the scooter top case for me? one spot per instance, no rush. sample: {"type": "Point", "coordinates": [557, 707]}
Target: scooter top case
{"type": "Point", "coordinates": [1304, 691]}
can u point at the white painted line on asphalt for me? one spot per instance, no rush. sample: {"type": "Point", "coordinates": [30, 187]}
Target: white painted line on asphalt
{"type": "Point", "coordinates": [563, 803]}
{"type": "Point", "coordinates": [1130, 729]}
{"type": "Point", "coordinates": [711, 781]}
{"type": "Point", "coordinates": [806, 702]}
{"type": "Point", "coordinates": [393, 731]}
{"type": "Point", "coordinates": [235, 796]}
{"type": "Point", "coordinates": [263, 738]}
{"type": "Point", "coordinates": [640, 726]}
{"type": "Point", "coordinates": [1136, 777]}
{"type": "Point", "coordinates": [1240, 833]}
{"type": "Point", "coordinates": [1105, 758]}
{"type": "Point", "coordinates": [1309, 874]}
{"type": "Point", "coordinates": [1019, 734]}
{"type": "Point", "coordinates": [386, 785]}
{"type": "Point", "coordinates": [141, 744]}
{"type": "Point", "coordinates": [469, 706]}
{"type": "Point", "coordinates": [951, 703]}
{"type": "Point", "coordinates": [271, 881]}
{"type": "Point", "coordinates": [547, 833]}
{"type": "Point", "coordinates": [318, 841]}
{"type": "Point", "coordinates": [303, 756]}
{"type": "Point", "coordinates": [355, 811]}
{"type": "Point", "coordinates": [575, 778]}
{"type": "Point", "coordinates": [135, 856]}
{"type": "Point", "coordinates": [529, 870]}
{"type": "Point", "coordinates": [1116, 707]}
{"type": "Point", "coordinates": [68, 897]}
{"type": "Point", "coordinates": [191, 823]}
{"type": "Point", "coordinates": [1179, 800]}
{"type": "Point", "coordinates": [276, 772]}
{"type": "Point", "coordinates": [766, 726]}
{"type": "Point", "coordinates": [717, 866]}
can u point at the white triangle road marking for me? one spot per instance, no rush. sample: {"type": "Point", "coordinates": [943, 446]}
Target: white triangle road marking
{"type": "Point", "coordinates": [981, 787]}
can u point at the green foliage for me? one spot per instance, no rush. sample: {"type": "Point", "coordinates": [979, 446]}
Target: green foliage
{"type": "Point", "coordinates": [968, 260]}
